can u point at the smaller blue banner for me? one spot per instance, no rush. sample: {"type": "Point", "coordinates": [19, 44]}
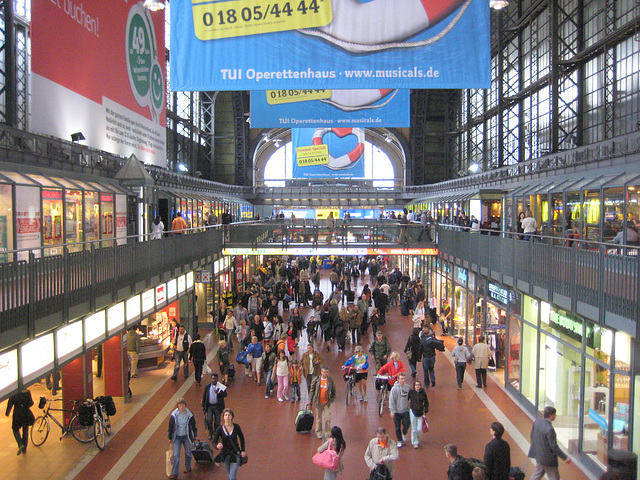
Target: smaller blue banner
{"type": "Point", "coordinates": [328, 152]}
{"type": "Point", "coordinates": [330, 108]}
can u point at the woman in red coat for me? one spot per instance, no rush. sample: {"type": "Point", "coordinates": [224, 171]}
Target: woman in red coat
{"type": "Point", "coordinates": [392, 368]}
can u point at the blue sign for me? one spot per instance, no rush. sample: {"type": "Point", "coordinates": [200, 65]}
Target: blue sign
{"type": "Point", "coordinates": [328, 152]}
{"type": "Point", "coordinates": [355, 108]}
{"type": "Point", "coordinates": [329, 44]}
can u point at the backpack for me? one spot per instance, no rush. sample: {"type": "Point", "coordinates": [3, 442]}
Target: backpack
{"type": "Point", "coordinates": [475, 463]}
{"type": "Point", "coordinates": [381, 472]}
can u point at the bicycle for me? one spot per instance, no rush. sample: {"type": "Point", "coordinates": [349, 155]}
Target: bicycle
{"type": "Point", "coordinates": [99, 429]}
{"type": "Point", "coordinates": [350, 378]}
{"type": "Point", "coordinates": [42, 425]}
{"type": "Point", "coordinates": [382, 384]}
{"type": "Point", "coordinates": [106, 419]}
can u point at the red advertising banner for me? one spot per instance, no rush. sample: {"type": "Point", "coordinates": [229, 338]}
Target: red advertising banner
{"type": "Point", "coordinates": [107, 60]}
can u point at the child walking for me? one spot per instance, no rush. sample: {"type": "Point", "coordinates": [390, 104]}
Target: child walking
{"type": "Point", "coordinates": [295, 374]}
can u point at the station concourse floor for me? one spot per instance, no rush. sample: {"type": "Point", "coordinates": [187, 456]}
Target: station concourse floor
{"type": "Point", "coordinates": [136, 448]}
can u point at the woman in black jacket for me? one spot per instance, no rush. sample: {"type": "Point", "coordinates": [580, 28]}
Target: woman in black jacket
{"type": "Point", "coordinates": [418, 406]}
{"type": "Point", "coordinates": [412, 350]}
{"type": "Point", "coordinates": [229, 439]}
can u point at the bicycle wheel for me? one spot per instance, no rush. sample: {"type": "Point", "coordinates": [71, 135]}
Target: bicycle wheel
{"type": "Point", "coordinates": [40, 430]}
{"type": "Point", "coordinates": [381, 400]}
{"type": "Point", "coordinates": [80, 432]}
{"type": "Point", "coordinates": [106, 420]}
{"type": "Point", "coordinates": [349, 391]}
{"type": "Point", "coordinates": [98, 433]}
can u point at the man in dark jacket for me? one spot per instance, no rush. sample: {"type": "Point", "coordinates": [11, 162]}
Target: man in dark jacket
{"type": "Point", "coordinates": [544, 447]}
{"type": "Point", "coordinates": [428, 346]}
{"type": "Point", "coordinates": [198, 355]}
{"type": "Point", "coordinates": [459, 469]}
{"type": "Point", "coordinates": [497, 454]}
{"type": "Point", "coordinates": [213, 404]}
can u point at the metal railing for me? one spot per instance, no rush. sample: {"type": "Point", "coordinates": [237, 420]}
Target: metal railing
{"type": "Point", "coordinates": [579, 274]}
{"type": "Point", "coordinates": [41, 286]}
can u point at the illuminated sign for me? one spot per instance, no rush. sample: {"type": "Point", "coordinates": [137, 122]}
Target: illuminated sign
{"type": "Point", "coordinates": [94, 328]}
{"type": "Point", "coordinates": [132, 307]}
{"type": "Point", "coordinates": [182, 284]}
{"type": "Point", "coordinates": [161, 295]}
{"type": "Point", "coordinates": [172, 289]}
{"type": "Point", "coordinates": [36, 357]}
{"type": "Point", "coordinates": [115, 318]}
{"type": "Point", "coordinates": [190, 280]}
{"type": "Point", "coordinates": [69, 341]}
{"type": "Point", "coordinates": [330, 251]}
{"type": "Point", "coordinates": [148, 301]}
{"type": "Point", "coordinates": [498, 293]}
{"type": "Point", "coordinates": [462, 275]}
{"type": "Point", "coordinates": [8, 372]}
{"type": "Point", "coordinates": [571, 327]}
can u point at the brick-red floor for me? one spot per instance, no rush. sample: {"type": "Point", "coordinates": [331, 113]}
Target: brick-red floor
{"type": "Point", "coordinates": [137, 450]}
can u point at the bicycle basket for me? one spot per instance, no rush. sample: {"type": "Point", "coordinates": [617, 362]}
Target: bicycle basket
{"type": "Point", "coordinates": [381, 380]}
{"type": "Point", "coordinates": [85, 414]}
{"type": "Point", "coordinates": [42, 403]}
{"type": "Point", "coordinates": [108, 404]}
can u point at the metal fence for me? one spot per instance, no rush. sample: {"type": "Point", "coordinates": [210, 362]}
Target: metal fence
{"type": "Point", "coordinates": [46, 285]}
{"type": "Point", "coordinates": [586, 274]}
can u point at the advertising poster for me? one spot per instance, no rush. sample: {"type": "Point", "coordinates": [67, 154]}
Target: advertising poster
{"type": "Point", "coordinates": [328, 152]}
{"type": "Point", "coordinates": [28, 221]}
{"type": "Point", "coordinates": [322, 108]}
{"type": "Point", "coordinates": [107, 59]}
{"type": "Point", "coordinates": [329, 44]}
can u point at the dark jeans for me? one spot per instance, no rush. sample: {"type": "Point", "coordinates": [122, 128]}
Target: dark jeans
{"type": "Point", "coordinates": [402, 421]}
{"type": "Point", "coordinates": [428, 365]}
{"type": "Point", "coordinates": [460, 368]}
{"type": "Point", "coordinates": [413, 368]}
{"type": "Point", "coordinates": [212, 418]}
{"type": "Point", "coordinates": [22, 440]}
{"type": "Point", "coordinates": [481, 377]}
{"type": "Point", "coordinates": [198, 370]}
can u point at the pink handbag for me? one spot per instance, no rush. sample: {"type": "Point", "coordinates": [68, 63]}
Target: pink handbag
{"type": "Point", "coordinates": [328, 459]}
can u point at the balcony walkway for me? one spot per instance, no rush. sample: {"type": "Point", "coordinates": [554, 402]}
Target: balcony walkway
{"type": "Point", "coordinates": [137, 448]}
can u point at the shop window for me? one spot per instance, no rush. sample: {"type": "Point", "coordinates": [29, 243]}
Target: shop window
{"type": "Point", "coordinates": [515, 346]}
{"type": "Point", "coordinates": [560, 368]}
{"type": "Point", "coordinates": [73, 218]}
{"type": "Point", "coordinates": [108, 217]}
{"type": "Point", "coordinates": [52, 219]}
{"type": "Point", "coordinates": [574, 220]}
{"type": "Point", "coordinates": [613, 213]}
{"type": "Point", "coordinates": [91, 216]}
{"type": "Point", "coordinates": [557, 215]}
{"type": "Point", "coordinates": [6, 221]}
{"type": "Point", "coordinates": [529, 362]}
{"type": "Point", "coordinates": [563, 325]}
{"type": "Point", "coordinates": [592, 215]}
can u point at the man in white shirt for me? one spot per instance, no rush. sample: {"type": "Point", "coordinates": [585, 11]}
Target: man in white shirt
{"type": "Point", "coordinates": [181, 349]}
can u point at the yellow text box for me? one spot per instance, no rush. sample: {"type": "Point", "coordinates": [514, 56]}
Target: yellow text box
{"type": "Point", "coordinates": [312, 155]}
{"type": "Point", "coordinates": [237, 18]}
{"type": "Point", "coordinates": [278, 97]}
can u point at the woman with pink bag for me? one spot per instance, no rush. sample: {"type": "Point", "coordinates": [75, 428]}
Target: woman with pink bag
{"type": "Point", "coordinates": [330, 454]}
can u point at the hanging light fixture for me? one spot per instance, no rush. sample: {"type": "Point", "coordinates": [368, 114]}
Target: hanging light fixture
{"type": "Point", "coordinates": [153, 5]}
{"type": "Point", "coordinates": [498, 4]}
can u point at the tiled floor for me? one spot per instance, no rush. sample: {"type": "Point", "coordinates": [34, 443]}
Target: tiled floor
{"type": "Point", "coordinates": [137, 448]}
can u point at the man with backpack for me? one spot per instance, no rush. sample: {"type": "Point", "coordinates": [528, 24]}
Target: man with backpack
{"type": "Point", "coordinates": [459, 468]}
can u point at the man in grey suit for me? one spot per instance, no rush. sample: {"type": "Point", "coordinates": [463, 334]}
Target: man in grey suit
{"type": "Point", "coordinates": [544, 447]}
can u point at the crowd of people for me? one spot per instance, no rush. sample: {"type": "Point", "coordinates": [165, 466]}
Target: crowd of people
{"type": "Point", "coordinates": [267, 323]}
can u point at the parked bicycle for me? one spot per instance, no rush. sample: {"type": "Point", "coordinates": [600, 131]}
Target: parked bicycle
{"type": "Point", "coordinates": [382, 384]}
{"type": "Point", "coordinates": [350, 378]}
{"type": "Point", "coordinates": [81, 424]}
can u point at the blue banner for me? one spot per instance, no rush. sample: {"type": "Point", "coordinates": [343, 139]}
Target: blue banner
{"type": "Point", "coordinates": [356, 108]}
{"type": "Point", "coordinates": [329, 44]}
{"type": "Point", "coordinates": [328, 152]}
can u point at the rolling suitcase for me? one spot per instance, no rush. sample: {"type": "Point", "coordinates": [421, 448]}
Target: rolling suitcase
{"type": "Point", "coordinates": [304, 421]}
{"type": "Point", "coordinates": [202, 452]}
{"type": "Point", "coordinates": [231, 371]}
{"type": "Point", "coordinates": [404, 307]}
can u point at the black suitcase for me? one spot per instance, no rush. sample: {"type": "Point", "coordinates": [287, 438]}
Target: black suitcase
{"type": "Point", "coordinates": [231, 371]}
{"type": "Point", "coordinates": [404, 307]}
{"type": "Point", "coordinates": [202, 452]}
{"type": "Point", "coordinates": [351, 296]}
{"type": "Point", "coordinates": [304, 421]}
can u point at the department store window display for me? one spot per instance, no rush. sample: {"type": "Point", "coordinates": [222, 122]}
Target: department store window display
{"type": "Point", "coordinates": [52, 219]}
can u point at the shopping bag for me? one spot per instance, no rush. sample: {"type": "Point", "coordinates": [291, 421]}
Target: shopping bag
{"type": "Point", "coordinates": [425, 425]}
{"type": "Point", "coordinates": [206, 369]}
{"type": "Point", "coordinates": [328, 459]}
{"type": "Point", "coordinates": [169, 463]}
